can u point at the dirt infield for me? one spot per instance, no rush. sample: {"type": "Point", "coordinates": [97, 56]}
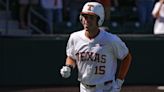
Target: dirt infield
{"type": "Point", "coordinates": [76, 89]}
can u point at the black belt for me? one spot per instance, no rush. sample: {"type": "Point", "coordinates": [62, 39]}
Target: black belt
{"type": "Point", "coordinates": [105, 83]}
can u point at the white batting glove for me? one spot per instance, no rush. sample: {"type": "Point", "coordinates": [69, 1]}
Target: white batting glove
{"type": "Point", "coordinates": [65, 71]}
{"type": "Point", "coordinates": [116, 86]}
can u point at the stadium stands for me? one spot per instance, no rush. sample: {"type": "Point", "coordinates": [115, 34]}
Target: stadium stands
{"type": "Point", "coordinates": [123, 20]}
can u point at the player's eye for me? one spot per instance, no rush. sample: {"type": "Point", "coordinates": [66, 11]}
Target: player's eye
{"type": "Point", "coordinates": [92, 17]}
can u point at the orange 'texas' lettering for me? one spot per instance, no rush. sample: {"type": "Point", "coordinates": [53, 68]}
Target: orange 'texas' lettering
{"type": "Point", "coordinates": [90, 6]}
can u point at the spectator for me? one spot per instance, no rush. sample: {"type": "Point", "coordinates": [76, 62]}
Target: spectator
{"type": "Point", "coordinates": [58, 11]}
{"type": "Point", "coordinates": [158, 13]}
{"type": "Point", "coordinates": [52, 8]}
{"type": "Point", "coordinates": [73, 7]}
{"type": "Point", "coordinates": [23, 12]}
{"type": "Point", "coordinates": [144, 8]}
{"type": "Point", "coordinates": [115, 3]}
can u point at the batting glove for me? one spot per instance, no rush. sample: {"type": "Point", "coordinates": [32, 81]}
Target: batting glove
{"type": "Point", "coordinates": [65, 71]}
{"type": "Point", "coordinates": [116, 86]}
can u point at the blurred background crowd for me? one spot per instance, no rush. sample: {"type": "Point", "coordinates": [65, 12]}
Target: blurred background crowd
{"type": "Point", "coordinates": [33, 17]}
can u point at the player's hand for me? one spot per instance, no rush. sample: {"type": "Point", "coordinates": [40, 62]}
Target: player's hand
{"type": "Point", "coordinates": [116, 86]}
{"type": "Point", "coordinates": [65, 71]}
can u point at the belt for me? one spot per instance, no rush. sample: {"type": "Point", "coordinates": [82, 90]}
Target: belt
{"type": "Point", "coordinates": [105, 83]}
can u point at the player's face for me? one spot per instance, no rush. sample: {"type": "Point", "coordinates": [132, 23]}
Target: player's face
{"type": "Point", "coordinates": [89, 22]}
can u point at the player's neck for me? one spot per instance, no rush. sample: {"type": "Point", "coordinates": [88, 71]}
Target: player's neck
{"type": "Point", "coordinates": [92, 34]}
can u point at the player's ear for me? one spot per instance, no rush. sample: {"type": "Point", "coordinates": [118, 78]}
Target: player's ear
{"type": "Point", "coordinates": [80, 18]}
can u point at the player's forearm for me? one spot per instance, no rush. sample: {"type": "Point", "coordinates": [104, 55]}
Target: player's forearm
{"type": "Point", "coordinates": [124, 67]}
{"type": "Point", "coordinates": [70, 62]}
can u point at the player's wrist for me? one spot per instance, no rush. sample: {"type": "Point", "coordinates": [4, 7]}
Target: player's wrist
{"type": "Point", "coordinates": [117, 85]}
{"type": "Point", "coordinates": [70, 66]}
{"type": "Point", "coordinates": [119, 82]}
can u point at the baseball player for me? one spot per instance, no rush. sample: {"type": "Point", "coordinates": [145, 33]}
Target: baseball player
{"type": "Point", "coordinates": [95, 52]}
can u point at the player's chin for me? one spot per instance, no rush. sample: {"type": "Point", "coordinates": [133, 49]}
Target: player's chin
{"type": "Point", "coordinates": [86, 27]}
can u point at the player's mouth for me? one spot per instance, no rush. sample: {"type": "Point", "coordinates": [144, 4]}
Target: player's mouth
{"type": "Point", "coordinates": [86, 25]}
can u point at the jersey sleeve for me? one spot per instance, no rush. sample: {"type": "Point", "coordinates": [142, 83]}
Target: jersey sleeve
{"type": "Point", "coordinates": [120, 48]}
{"type": "Point", "coordinates": [70, 47]}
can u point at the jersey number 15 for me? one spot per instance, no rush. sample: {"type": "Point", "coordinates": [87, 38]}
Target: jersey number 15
{"type": "Point", "coordinates": [100, 70]}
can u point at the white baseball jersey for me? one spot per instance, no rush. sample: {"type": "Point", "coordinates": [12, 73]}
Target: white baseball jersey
{"type": "Point", "coordinates": [96, 58]}
{"type": "Point", "coordinates": [159, 23]}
